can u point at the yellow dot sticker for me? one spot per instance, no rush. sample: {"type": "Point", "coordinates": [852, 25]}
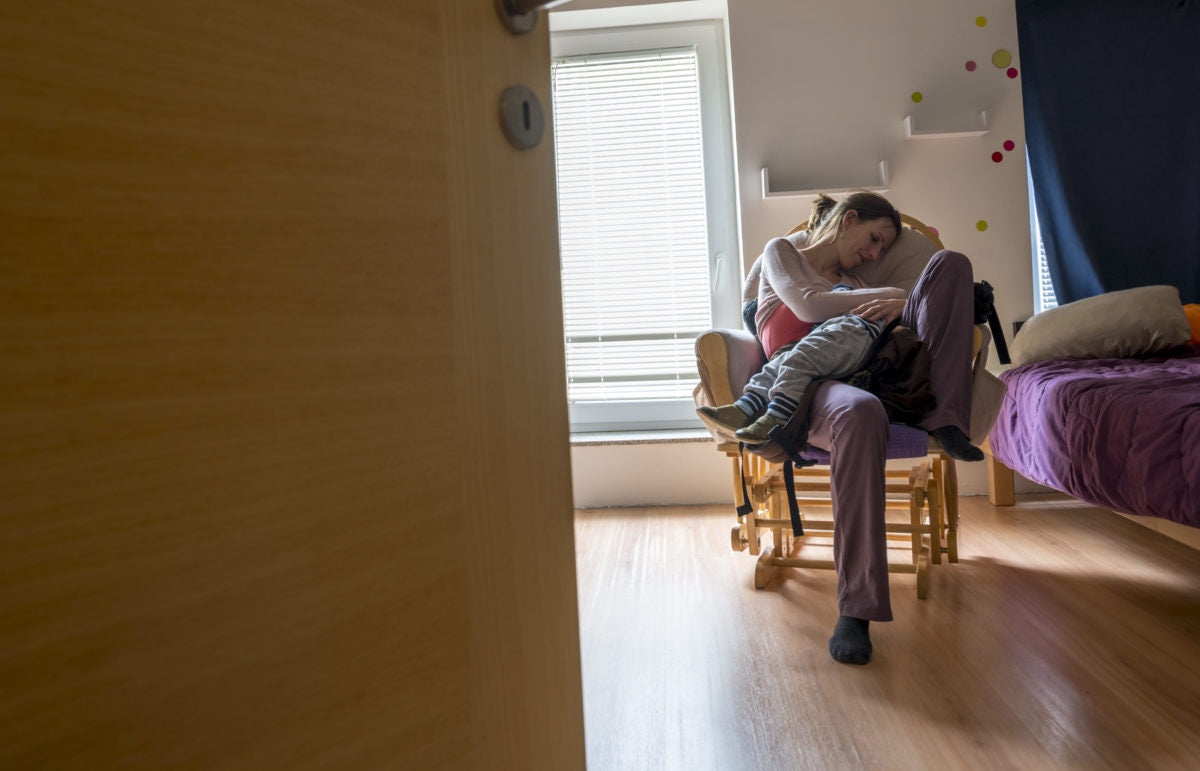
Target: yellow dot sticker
{"type": "Point", "coordinates": [981, 225]}
{"type": "Point", "coordinates": [917, 96]}
{"type": "Point", "coordinates": [980, 21]}
{"type": "Point", "coordinates": [1001, 58]}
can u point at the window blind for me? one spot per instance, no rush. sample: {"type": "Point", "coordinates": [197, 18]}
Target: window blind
{"type": "Point", "coordinates": [1044, 290]}
{"type": "Point", "coordinates": [632, 223]}
{"type": "Point", "coordinates": [1045, 287]}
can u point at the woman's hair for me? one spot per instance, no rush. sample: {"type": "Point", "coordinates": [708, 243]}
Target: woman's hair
{"type": "Point", "coordinates": [825, 222]}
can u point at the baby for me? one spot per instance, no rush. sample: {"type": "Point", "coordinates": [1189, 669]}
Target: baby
{"type": "Point", "coordinates": [833, 349]}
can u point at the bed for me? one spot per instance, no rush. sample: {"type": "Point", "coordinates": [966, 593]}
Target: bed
{"type": "Point", "coordinates": [1104, 405]}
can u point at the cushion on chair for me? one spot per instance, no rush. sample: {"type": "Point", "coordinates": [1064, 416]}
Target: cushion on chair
{"type": "Point", "coordinates": [726, 360]}
{"type": "Point", "coordinates": [904, 441]}
{"type": "Point", "coordinates": [987, 390]}
{"type": "Point", "coordinates": [901, 264]}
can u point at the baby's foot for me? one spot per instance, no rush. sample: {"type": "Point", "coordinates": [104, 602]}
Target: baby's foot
{"type": "Point", "coordinates": [756, 432]}
{"type": "Point", "coordinates": [723, 420]}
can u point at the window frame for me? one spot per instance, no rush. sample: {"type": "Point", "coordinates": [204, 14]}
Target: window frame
{"type": "Point", "coordinates": [707, 36]}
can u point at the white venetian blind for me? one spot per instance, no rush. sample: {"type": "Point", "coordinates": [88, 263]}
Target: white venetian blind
{"type": "Point", "coordinates": [632, 223]}
{"type": "Point", "coordinates": [1044, 289]}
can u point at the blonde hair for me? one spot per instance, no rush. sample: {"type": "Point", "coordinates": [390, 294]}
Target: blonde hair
{"type": "Point", "coordinates": [825, 222]}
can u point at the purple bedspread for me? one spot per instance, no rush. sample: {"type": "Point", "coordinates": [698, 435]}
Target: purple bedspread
{"type": "Point", "coordinates": [1122, 434]}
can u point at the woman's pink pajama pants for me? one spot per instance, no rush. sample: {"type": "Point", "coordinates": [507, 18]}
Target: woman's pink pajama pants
{"type": "Point", "coordinates": [852, 426]}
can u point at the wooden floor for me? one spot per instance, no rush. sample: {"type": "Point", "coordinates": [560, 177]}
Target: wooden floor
{"type": "Point", "coordinates": [1066, 637]}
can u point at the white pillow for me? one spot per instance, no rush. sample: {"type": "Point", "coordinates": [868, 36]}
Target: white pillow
{"type": "Point", "coordinates": [1130, 322]}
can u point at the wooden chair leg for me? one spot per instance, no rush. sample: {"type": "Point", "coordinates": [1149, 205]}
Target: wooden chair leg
{"type": "Point", "coordinates": [916, 506]}
{"type": "Point", "coordinates": [951, 508]}
{"type": "Point", "coordinates": [933, 499]}
{"type": "Point", "coordinates": [764, 568]}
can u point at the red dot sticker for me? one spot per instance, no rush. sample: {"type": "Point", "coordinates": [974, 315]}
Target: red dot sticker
{"type": "Point", "coordinates": [1011, 72]}
{"type": "Point", "coordinates": [1009, 145]}
{"type": "Point", "coordinates": [997, 157]}
{"type": "Point", "coordinates": [971, 66]}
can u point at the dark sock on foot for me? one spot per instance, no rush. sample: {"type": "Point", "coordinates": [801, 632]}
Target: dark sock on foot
{"type": "Point", "coordinates": [850, 644]}
{"type": "Point", "coordinates": [956, 444]}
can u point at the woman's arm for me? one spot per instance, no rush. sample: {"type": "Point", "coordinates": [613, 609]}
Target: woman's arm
{"type": "Point", "coordinates": [805, 292]}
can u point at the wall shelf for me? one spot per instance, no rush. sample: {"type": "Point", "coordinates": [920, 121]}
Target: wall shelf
{"type": "Point", "coordinates": [979, 129]}
{"type": "Point", "coordinates": [880, 187]}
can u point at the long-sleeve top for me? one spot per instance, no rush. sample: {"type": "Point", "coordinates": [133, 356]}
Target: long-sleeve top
{"type": "Point", "coordinates": [786, 279]}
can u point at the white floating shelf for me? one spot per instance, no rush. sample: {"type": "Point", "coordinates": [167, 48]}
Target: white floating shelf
{"type": "Point", "coordinates": [980, 128]}
{"type": "Point", "coordinates": [880, 187]}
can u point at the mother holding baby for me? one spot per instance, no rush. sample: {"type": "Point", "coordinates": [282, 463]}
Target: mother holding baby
{"type": "Point", "coordinates": [801, 283]}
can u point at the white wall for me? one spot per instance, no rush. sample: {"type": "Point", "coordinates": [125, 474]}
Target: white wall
{"type": "Point", "coordinates": [820, 92]}
{"type": "Point", "coordinates": [650, 474]}
{"type": "Point", "coordinates": [820, 95]}
{"type": "Point", "coordinates": [684, 473]}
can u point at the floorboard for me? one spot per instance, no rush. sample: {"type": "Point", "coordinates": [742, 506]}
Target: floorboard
{"type": "Point", "coordinates": [1065, 637]}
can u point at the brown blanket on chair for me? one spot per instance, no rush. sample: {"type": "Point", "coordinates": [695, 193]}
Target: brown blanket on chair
{"type": "Point", "coordinates": [899, 375]}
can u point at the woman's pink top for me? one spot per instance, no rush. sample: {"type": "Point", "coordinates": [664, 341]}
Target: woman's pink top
{"type": "Point", "coordinates": [793, 297]}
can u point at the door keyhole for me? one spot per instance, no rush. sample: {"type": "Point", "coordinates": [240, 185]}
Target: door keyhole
{"type": "Point", "coordinates": [521, 117]}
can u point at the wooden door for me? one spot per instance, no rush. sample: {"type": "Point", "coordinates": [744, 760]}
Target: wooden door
{"type": "Point", "coordinates": [285, 478]}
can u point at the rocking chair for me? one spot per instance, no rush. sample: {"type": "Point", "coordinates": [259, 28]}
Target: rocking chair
{"type": "Point", "coordinates": [925, 492]}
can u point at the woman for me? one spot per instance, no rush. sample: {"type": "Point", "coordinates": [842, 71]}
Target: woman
{"type": "Point", "coordinates": [796, 290]}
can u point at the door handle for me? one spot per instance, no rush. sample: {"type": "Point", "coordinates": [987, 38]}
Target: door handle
{"type": "Point", "coordinates": [520, 16]}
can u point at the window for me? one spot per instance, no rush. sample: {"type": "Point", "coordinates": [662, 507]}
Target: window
{"type": "Point", "coordinates": [1043, 287]}
{"type": "Point", "coordinates": [646, 218]}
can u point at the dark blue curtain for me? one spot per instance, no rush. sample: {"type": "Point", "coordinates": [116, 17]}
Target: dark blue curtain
{"type": "Point", "coordinates": [1111, 92]}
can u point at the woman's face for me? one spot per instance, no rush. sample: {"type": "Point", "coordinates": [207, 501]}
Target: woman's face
{"type": "Point", "coordinates": [863, 240]}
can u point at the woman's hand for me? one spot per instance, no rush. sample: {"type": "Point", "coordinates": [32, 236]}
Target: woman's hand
{"type": "Point", "coordinates": [882, 311]}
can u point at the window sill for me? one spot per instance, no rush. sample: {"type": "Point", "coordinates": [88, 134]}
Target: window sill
{"type": "Point", "coordinates": [601, 438]}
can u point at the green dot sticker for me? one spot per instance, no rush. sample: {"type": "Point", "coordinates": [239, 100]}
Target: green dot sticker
{"type": "Point", "coordinates": [1001, 58]}
{"type": "Point", "coordinates": [917, 96]}
{"type": "Point", "coordinates": [980, 21]}
{"type": "Point", "coordinates": [981, 225]}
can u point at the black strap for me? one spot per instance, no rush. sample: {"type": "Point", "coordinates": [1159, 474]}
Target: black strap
{"type": "Point", "coordinates": [789, 483]}
{"type": "Point", "coordinates": [998, 337]}
{"type": "Point", "coordinates": [985, 310]}
{"type": "Point", "coordinates": [794, 458]}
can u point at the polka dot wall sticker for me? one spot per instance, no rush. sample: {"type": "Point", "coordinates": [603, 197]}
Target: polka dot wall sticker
{"type": "Point", "coordinates": [971, 65]}
{"type": "Point", "coordinates": [917, 96]}
{"type": "Point", "coordinates": [1001, 58]}
{"type": "Point", "coordinates": [1009, 145]}
{"type": "Point", "coordinates": [1011, 72]}
{"type": "Point", "coordinates": [981, 225]}
{"type": "Point", "coordinates": [980, 21]}
{"type": "Point", "coordinates": [997, 157]}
